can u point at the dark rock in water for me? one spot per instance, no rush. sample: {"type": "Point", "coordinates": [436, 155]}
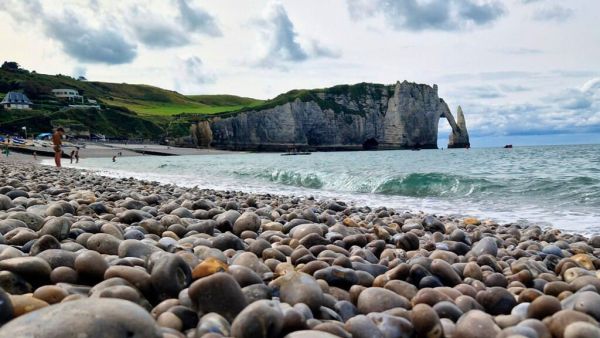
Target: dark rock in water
{"type": "Point", "coordinates": [261, 319]}
{"type": "Point", "coordinates": [93, 318]}
{"type": "Point", "coordinates": [218, 293]}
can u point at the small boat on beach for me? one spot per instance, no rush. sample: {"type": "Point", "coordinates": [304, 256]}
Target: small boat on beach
{"type": "Point", "coordinates": [508, 146]}
{"type": "Point", "coordinates": [296, 153]}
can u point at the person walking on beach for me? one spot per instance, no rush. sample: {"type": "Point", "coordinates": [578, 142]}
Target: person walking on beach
{"type": "Point", "coordinates": [115, 158]}
{"type": "Point", "coordinates": [76, 154]}
{"type": "Point", "coordinates": [57, 142]}
{"type": "Point", "coordinates": [72, 155]}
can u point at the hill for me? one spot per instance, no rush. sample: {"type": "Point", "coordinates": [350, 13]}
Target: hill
{"type": "Point", "coordinates": [137, 103]}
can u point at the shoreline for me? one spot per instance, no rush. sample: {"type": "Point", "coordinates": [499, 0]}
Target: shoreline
{"type": "Point", "coordinates": [93, 244]}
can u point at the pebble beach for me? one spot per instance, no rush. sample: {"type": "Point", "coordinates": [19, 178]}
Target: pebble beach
{"type": "Point", "coordinates": [82, 255]}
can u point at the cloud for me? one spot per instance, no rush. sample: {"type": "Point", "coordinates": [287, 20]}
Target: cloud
{"type": "Point", "coordinates": [278, 41]}
{"type": "Point", "coordinates": [197, 20]}
{"type": "Point", "coordinates": [521, 51]}
{"type": "Point", "coordinates": [190, 74]}
{"type": "Point", "coordinates": [86, 43]}
{"type": "Point", "coordinates": [415, 15]}
{"type": "Point", "coordinates": [555, 13]}
{"type": "Point", "coordinates": [154, 31]}
{"type": "Point", "coordinates": [569, 110]}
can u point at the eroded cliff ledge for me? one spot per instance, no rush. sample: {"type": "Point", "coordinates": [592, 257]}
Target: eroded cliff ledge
{"type": "Point", "coordinates": [345, 117]}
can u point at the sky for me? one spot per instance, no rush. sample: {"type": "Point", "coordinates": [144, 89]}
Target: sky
{"type": "Point", "coordinates": [517, 67]}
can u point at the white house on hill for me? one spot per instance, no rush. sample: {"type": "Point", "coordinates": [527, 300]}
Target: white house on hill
{"type": "Point", "coordinates": [15, 100]}
{"type": "Point", "coordinates": [65, 93]}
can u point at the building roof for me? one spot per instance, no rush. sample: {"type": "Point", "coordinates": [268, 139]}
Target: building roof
{"type": "Point", "coordinates": [15, 97]}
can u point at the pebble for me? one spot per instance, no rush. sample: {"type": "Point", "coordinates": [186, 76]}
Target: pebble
{"type": "Point", "coordinates": [153, 260]}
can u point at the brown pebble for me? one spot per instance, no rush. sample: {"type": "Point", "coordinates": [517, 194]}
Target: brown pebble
{"type": "Point", "coordinates": [543, 306]}
{"type": "Point", "coordinates": [51, 294]}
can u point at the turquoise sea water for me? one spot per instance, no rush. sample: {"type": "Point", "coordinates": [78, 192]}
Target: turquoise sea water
{"type": "Point", "coordinates": [557, 185]}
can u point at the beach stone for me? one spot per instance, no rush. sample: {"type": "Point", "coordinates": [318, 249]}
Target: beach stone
{"type": "Point", "coordinates": [9, 224]}
{"type": "Point", "coordinates": [559, 321]}
{"type": "Point", "coordinates": [6, 307]}
{"type": "Point", "coordinates": [447, 309]}
{"type": "Point", "coordinates": [64, 274]}
{"type": "Point", "coordinates": [104, 244]}
{"type": "Point", "coordinates": [496, 300]}
{"type": "Point", "coordinates": [248, 221]}
{"type": "Point", "coordinates": [587, 302]}
{"type": "Point", "coordinates": [26, 303]}
{"type": "Point", "coordinates": [213, 323]}
{"type": "Point", "coordinates": [5, 202]}
{"type": "Point", "coordinates": [476, 324]}
{"type": "Point", "coordinates": [139, 278]}
{"type": "Point", "coordinates": [298, 287]}
{"type": "Point", "coordinates": [90, 265]}
{"type": "Point", "coordinates": [57, 227]}
{"type": "Point", "coordinates": [34, 269]}
{"type": "Point", "coordinates": [261, 319]}
{"type": "Point", "coordinates": [376, 299]}
{"type": "Point", "coordinates": [92, 318]}
{"type": "Point", "coordinates": [51, 294]}
{"type": "Point", "coordinates": [362, 327]}
{"type": "Point", "coordinates": [310, 334]}
{"type": "Point", "coordinates": [46, 242]}
{"type": "Point", "coordinates": [338, 276]}
{"type": "Point", "coordinates": [170, 274]}
{"type": "Point", "coordinates": [132, 216]}
{"type": "Point", "coordinates": [485, 246]}
{"type": "Point", "coordinates": [209, 266]}
{"type": "Point", "coordinates": [426, 322]}
{"type": "Point", "coordinates": [445, 272]}
{"type": "Point", "coordinates": [544, 306]}
{"type": "Point", "coordinates": [218, 293]}
{"type": "Point", "coordinates": [582, 330]}
{"type": "Point", "coordinates": [33, 221]}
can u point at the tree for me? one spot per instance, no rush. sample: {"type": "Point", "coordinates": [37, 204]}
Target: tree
{"type": "Point", "coordinates": [81, 78]}
{"type": "Point", "coordinates": [10, 66]}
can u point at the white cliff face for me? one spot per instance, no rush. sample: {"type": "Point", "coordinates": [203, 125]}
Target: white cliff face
{"type": "Point", "coordinates": [344, 117]}
{"type": "Point", "coordinates": [459, 138]}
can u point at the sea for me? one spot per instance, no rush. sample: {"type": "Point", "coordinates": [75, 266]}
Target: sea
{"type": "Point", "coordinates": [556, 186]}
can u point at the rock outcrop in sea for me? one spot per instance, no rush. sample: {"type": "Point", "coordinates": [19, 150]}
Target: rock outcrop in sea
{"type": "Point", "coordinates": [345, 117]}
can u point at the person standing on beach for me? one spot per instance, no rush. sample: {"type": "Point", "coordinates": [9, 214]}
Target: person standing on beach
{"type": "Point", "coordinates": [72, 155]}
{"type": "Point", "coordinates": [76, 154]}
{"type": "Point", "coordinates": [57, 142]}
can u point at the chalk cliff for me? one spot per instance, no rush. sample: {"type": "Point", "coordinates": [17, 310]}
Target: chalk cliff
{"type": "Point", "coordinates": [361, 116]}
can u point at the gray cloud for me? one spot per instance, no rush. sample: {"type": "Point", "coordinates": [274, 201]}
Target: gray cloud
{"type": "Point", "coordinates": [89, 44]}
{"type": "Point", "coordinates": [197, 20]}
{"type": "Point", "coordinates": [569, 110]}
{"type": "Point", "coordinates": [554, 13]}
{"type": "Point", "coordinates": [155, 32]}
{"type": "Point", "coordinates": [278, 40]}
{"type": "Point", "coordinates": [521, 51]}
{"type": "Point", "coordinates": [417, 15]}
{"type": "Point", "coordinates": [190, 73]}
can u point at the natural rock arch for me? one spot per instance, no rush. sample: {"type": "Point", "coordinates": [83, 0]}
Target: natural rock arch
{"type": "Point", "coordinates": [459, 138]}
